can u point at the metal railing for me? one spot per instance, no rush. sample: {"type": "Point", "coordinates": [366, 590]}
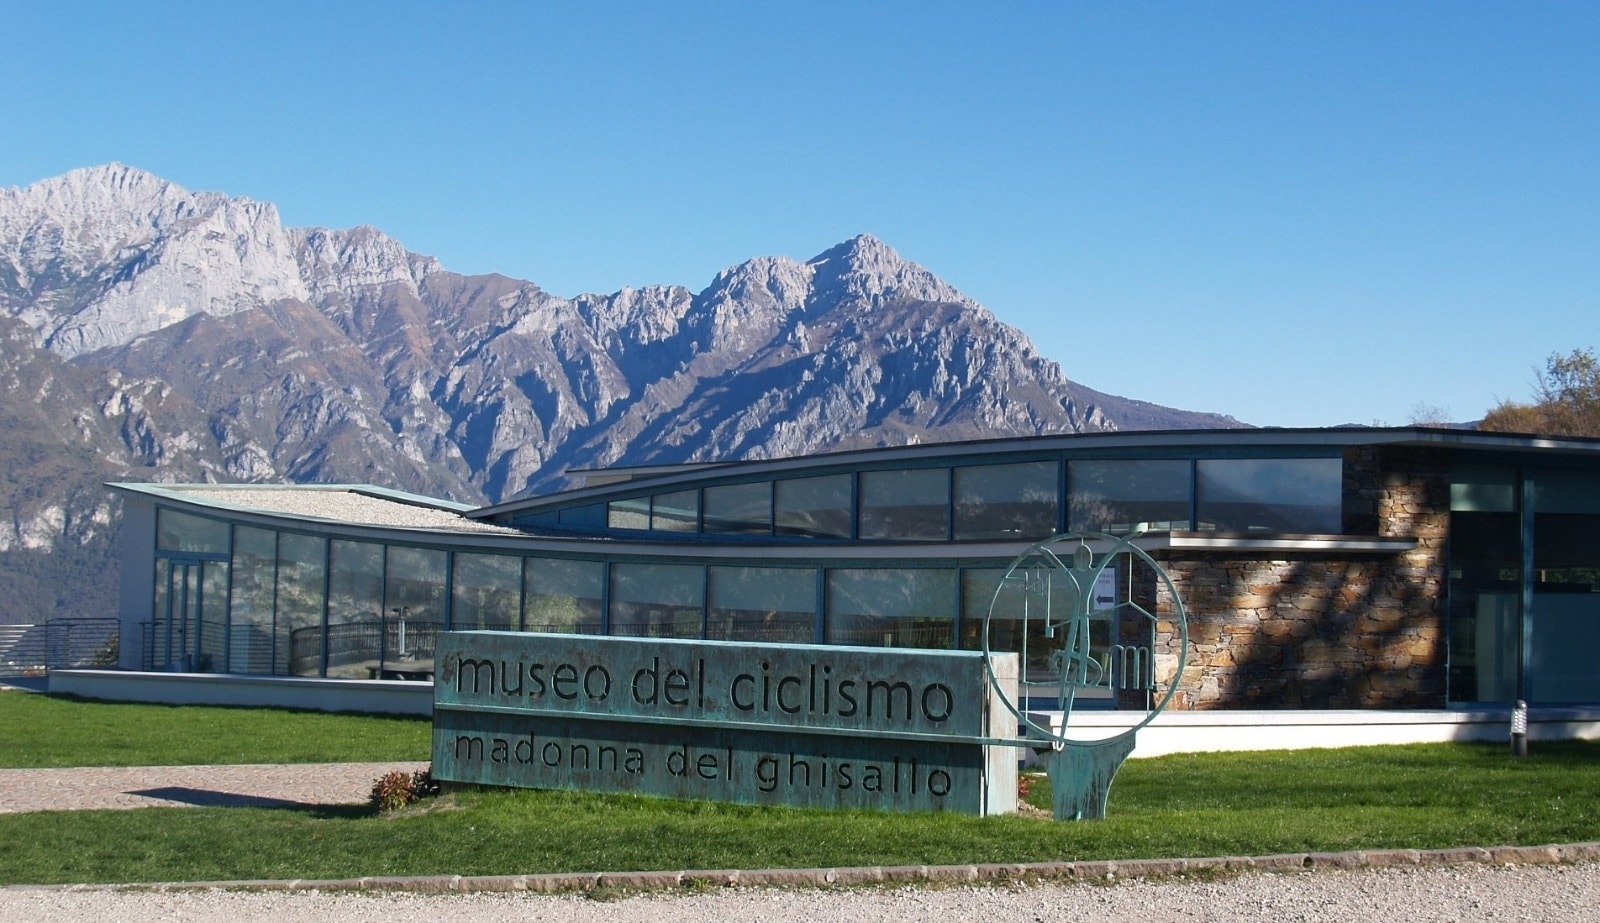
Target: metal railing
{"type": "Point", "coordinates": [376, 647]}
{"type": "Point", "coordinates": [58, 644]}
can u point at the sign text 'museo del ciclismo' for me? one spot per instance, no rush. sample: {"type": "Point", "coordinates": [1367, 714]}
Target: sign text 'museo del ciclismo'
{"type": "Point", "coordinates": [758, 723]}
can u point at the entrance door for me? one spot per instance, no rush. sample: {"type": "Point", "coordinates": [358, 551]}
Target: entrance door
{"type": "Point", "coordinates": [176, 627]}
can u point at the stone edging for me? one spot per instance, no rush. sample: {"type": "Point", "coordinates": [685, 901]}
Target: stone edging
{"type": "Point", "coordinates": [995, 873]}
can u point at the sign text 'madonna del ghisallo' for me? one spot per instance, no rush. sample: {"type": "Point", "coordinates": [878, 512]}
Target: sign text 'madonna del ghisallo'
{"type": "Point", "coordinates": [791, 686]}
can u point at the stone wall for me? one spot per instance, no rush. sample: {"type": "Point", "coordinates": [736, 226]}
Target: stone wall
{"type": "Point", "coordinates": [1326, 629]}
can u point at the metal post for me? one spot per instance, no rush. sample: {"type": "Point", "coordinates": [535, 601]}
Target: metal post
{"type": "Point", "coordinates": [1519, 729]}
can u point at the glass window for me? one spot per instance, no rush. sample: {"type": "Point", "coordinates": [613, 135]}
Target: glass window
{"type": "Point", "coordinates": [1269, 494]}
{"type": "Point", "coordinates": [1115, 495]}
{"type": "Point", "coordinates": [486, 592]}
{"type": "Point", "coordinates": [413, 603]}
{"type": "Point", "coordinates": [213, 618]}
{"type": "Point", "coordinates": [628, 514]}
{"type": "Point", "coordinates": [891, 607]}
{"type": "Point", "coordinates": [1564, 491]}
{"type": "Point", "coordinates": [1566, 588]}
{"type": "Point", "coordinates": [816, 507]}
{"type": "Point", "coordinates": [355, 608]}
{"type": "Point", "coordinates": [302, 585]}
{"type": "Point", "coordinates": [656, 600]}
{"type": "Point", "coordinates": [1006, 501]}
{"type": "Point", "coordinates": [762, 604]}
{"type": "Point", "coordinates": [255, 566]}
{"type": "Point", "coordinates": [675, 512]}
{"type": "Point", "coordinates": [906, 505]}
{"type": "Point", "coordinates": [177, 531]}
{"type": "Point", "coordinates": [563, 596]}
{"type": "Point", "coordinates": [1485, 605]}
{"type": "Point", "coordinates": [978, 592]}
{"type": "Point", "coordinates": [1484, 488]}
{"type": "Point", "coordinates": [739, 509]}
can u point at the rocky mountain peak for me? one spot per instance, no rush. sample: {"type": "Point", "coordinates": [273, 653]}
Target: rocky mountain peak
{"type": "Point", "coordinates": [867, 270]}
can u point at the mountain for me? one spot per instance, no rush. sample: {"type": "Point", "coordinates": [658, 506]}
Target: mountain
{"type": "Point", "coordinates": [153, 333]}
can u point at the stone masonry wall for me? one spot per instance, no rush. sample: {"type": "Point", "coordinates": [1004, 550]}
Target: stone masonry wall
{"type": "Point", "coordinates": [1325, 630]}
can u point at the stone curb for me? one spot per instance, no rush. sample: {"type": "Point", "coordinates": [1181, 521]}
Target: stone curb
{"type": "Point", "coordinates": [995, 873]}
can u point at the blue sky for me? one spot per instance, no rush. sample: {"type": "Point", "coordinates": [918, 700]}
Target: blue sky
{"type": "Point", "coordinates": [1301, 214]}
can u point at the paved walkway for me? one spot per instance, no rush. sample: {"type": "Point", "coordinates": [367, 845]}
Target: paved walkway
{"type": "Point", "coordinates": [287, 785]}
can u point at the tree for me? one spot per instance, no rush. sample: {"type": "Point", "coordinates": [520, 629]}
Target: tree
{"type": "Point", "coordinates": [1566, 400]}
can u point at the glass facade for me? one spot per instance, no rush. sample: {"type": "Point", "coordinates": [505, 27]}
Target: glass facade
{"type": "Point", "coordinates": [486, 592]}
{"type": "Point", "coordinates": [891, 607]}
{"type": "Point", "coordinates": [563, 596]}
{"type": "Point", "coordinates": [355, 609]}
{"type": "Point", "coordinates": [300, 596]}
{"type": "Point", "coordinates": [1005, 501]}
{"type": "Point", "coordinates": [1523, 574]}
{"type": "Point", "coordinates": [816, 507]}
{"type": "Point", "coordinates": [1485, 583]}
{"type": "Point", "coordinates": [910, 505]}
{"type": "Point", "coordinates": [657, 600]}
{"type": "Point", "coordinates": [1283, 495]}
{"type": "Point", "coordinates": [1116, 495]}
{"type": "Point", "coordinates": [255, 560]}
{"type": "Point", "coordinates": [739, 509]}
{"type": "Point", "coordinates": [761, 604]}
{"type": "Point", "coordinates": [678, 511]}
{"type": "Point", "coordinates": [1566, 587]}
{"type": "Point", "coordinates": [254, 600]}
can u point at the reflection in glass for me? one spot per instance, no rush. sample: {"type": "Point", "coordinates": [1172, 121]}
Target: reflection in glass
{"type": "Point", "coordinates": [1566, 588]}
{"type": "Point", "coordinates": [816, 507]}
{"type": "Point", "coordinates": [355, 608]}
{"type": "Point", "coordinates": [1006, 501]}
{"type": "Point", "coordinates": [675, 512]}
{"type": "Point", "coordinates": [739, 509]}
{"type": "Point", "coordinates": [255, 564]}
{"type": "Point", "coordinates": [978, 586]}
{"type": "Point", "coordinates": [302, 588]}
{"type": "Point", "coordinates": [213, 647]}
{"type": "Point", "coordinates": [1485, 605]}
{"type": "Point", "coordinates": [413, 611]}
{"type": "Point", "coordinates": [563, 596]}
{"type": "Point", "coordinates": [656, 600]}
{"type": "Point", "coordinates": [891, 607]}
{"type": "Point", "coordinates": [905, 505]}
{"type": "Point", "coordinates": [486, 592]}
{"type": "Point", "coordinates": [628, 514]}
{"type": "Point", "coordinates": [1115, 495]}
{"type": "Point", "coordinates": [177, 531]}
{"type": "Point", "coordinates": [1295, 495]}
{"type": "Point", "coordinates": [762, 604]}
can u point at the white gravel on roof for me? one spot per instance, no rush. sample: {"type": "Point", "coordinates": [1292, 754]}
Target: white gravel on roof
{"type": "Point", "coordinates": [346, 506]}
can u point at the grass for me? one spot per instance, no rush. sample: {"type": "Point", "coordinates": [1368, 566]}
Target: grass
{"type": "Point", "coordinates": [1424, 796]}
{"type": "Point", "coordinates": [39, 731]}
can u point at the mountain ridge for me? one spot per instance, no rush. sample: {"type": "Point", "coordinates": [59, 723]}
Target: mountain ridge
{"type": "Point", "coordinates": [210, 342]}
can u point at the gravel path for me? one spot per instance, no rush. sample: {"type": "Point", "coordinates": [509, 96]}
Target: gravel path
{"type": "Point", "coordinates": [191, 786]}
{"type": "Point", "coordinates": [1544, 894]}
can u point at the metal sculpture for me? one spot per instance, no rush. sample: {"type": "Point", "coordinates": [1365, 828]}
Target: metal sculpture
{"type": "Point", "coordinates": [1072, 626]}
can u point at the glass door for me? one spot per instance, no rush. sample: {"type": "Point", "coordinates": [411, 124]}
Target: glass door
{"type": "Point", "coordinates": [175, 635]}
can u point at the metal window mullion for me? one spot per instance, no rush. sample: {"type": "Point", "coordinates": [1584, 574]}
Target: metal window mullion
{"type": "Point", "coordinates": [327, 591]}
{"type": "Point", "coordinates": [1525, 643]}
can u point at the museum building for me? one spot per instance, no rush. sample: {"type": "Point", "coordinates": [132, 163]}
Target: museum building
{"type": "Point", "coordinates": [1346, 568]}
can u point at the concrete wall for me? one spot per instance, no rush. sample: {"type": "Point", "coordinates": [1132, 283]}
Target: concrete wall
{"type": "Point", "coordinates": [374, 696]}
{"type": "Point", "coordinates": [1199, 732]}
{"type": "Point", "coordinates": [138, 537]}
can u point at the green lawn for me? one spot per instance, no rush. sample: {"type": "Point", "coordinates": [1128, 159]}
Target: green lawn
{"type": "Point", "coordinates": [39, 731]}
{"type": "Point", "coordinates": [1426, 796]}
